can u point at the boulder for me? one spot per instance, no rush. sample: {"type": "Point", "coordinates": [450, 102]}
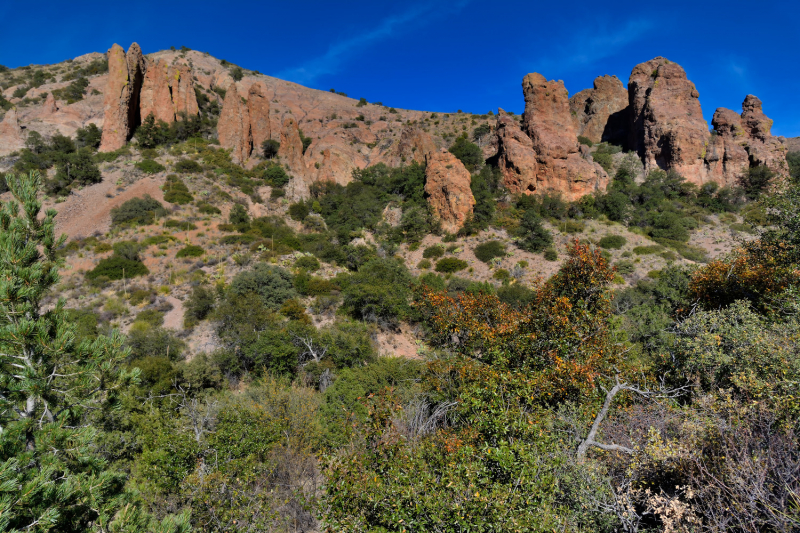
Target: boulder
{"type": "Point", "coordinates": [11, 133]}
{"type": "Point", "coordinates": [667, 126]}
{"type": "Point", "coordinates": [121, 101]}
{"type": "Point", "coordinates": [258, 110]}
{"type": "Point", "coordinates": [156, 96]}
{"type": "Point", "coordinates": [447, 186]}
{"type": "Point", "coordinates": [601, 113]}
{"type": "Point", "coordinates": [233, 127]}
{"type": "Point", "coordinates": [516, 157]}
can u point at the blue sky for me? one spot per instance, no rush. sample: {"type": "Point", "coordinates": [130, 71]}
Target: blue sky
{"type": "Point", "coordinates": [444, 55]}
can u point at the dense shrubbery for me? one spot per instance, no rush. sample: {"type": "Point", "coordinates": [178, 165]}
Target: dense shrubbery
{"type": "Point", "coordinates": [117, 267]}
{"type": "Point", "coordinates": [450, 265]}
{"type": "Point", "coordinates": [612, 242]}
{"type": "Point", "coordinates": [176, 192]}
{"type": "Point", "coordinates": [137, 211]}
{"type": "Point", "coordinates": [190, 250]}
{"type": "Point", "coordinates": [489, 250]}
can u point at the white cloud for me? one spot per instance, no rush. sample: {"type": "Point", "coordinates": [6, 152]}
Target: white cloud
{"type": "Point", "coordinates": [340, 52]}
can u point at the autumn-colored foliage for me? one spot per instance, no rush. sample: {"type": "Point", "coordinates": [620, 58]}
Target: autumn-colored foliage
{"type": "Point", "coordinates": [562, 335]}
{"type": "Point", "coordinates": [757, 272]}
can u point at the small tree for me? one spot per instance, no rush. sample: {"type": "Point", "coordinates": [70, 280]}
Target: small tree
{"type": "Point", "coordinates": [535, 237]}
{"type": "Point", "coordinates": [52, 476]}
{"type": "Point", "coordinates": [270, 148]}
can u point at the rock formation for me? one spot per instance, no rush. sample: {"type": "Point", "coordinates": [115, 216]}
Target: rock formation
{"type": "Point", "coordinates": [156, 97]}
{"type": "Point", "coordinates": [244, 126]}
{"type": "Point", "coordinates": [742, 141]}
{"type": "Point", "coordinates": [547, 119]}
{"type": "Point", "coordinates": [167, 92]}
{"type": "Point", "coordinates": [11, 132]}
{"type": "Point", "coordinates": [549, 124]}
{"type": "Point", "coordinates": [258, 111]}
{"type": "Point", "coordinates": [184, 98]}
{"type": "Point", "coordinates": [601, 113]}
{"type": "Point", "coordinates": [447, 186]}
{"type": "Point", "coordinates": [233, 127]}
{"type": "Point", "coordinates": [291, 150]}
{"type": "Point", "coordinates": [121, 104]}
{"type": "Point", "coordinates": [413, 145]}
{"type": "Point", "coordinates": [49, 107]}
{"type": "Point", "coordinates": [516, 157]}
{"type": "Point", "coordinates": [667, 126]}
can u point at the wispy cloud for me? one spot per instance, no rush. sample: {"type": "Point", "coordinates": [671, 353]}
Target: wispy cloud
{"type": "Point", "coordinates": [592, 45]}
{"type": "Point", "coordinates": [342, 51]}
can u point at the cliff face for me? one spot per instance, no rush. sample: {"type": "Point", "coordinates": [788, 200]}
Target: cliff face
{"type": "Point", "coordinates": [658, 115]}
{"type": "Point", "coordinates": [601, 113]}
{"type": "Point", "coordinates": [447, 186]}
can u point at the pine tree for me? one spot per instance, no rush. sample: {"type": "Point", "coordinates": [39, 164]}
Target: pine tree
{"type": "Point", "coordinates": [51, 477]}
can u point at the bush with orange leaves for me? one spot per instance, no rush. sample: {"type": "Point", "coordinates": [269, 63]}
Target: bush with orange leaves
{"type": "Point", "coordinates": [759, 271]}
{"type": "Point", "coordinates": [562, 338]}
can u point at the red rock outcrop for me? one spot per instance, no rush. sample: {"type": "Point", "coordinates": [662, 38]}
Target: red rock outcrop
{"type": "Point", "coordinates": [258, 111]}
{"type": "Point", "coordinates": [601, 113]}
{"type": "Point", "coordinates": [668, 130]}
{"type": "Point", "coordinates": [49, 107]}
{"type": "Point", "coordinates": [11, 133]}
{"type": "Point", "coordinates": [156, 97]}
{"type": "Point", "coordinates": [742, 141]}
{"type": "Point", "coordinates": [547, 119]}
{"type": "Point", "coordinates": [291, 149]}
{"type": "Point", "coordinates": [184, 99]}
{"type": "Point", "coordinates": [548, 122]}
{"type": "Point", "coordinates": [447, 186]}
{"type": "Point", "coordinates": [167, 92]}
{"type": "Point", "coordinates": [413, 145]}
{"type": "Point", "coordinates": [233, 127]}
{"type": "Point", "coordinates": [516, 157]}
{"type": "Point", "coordinates": [126, 72]}
{"type": "Point", "coordinates": [726, 159]}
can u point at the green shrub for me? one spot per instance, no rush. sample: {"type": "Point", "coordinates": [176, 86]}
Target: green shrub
{"type": "Point", "coordinates": [433, 252]}
{"type": "Point", "coordinates": [152, 317]}
{"type": "Point", "coordinates": [238, 239]}
{"type": "Point", "coordinates": [273, 284]}
{"type": "Point", "coordinates": [198, 306]}
{"type": "Point", "coordinates": [148, 166]}
{"type": "Point", "coordinates": [299, 211]}
{"type": "Point", "coordinates": [378, 292]}
{"type": "Point", "coordinates": [470, 154]}
{"type": "Point", "coordinates": [550, 254]}
{"type": "Point", "coordinates": [625, 267]}
{"type": "Point", "coordinates": [450, 264]}
{"type": "Point", "coordinates": [502, 274]}
{"type": "Point", "coordinates": [756, 181]}
{"type": "Point", "coordinates": [208, 209]}
{"type": "Point", "coordinates": [239, 215]}
{"type": "Point", "coordinates": [137, 211]}
{"type": "Point", "coordinates": [190, 250]}
{"type": "Point", "coordinates": [183, 225]}
{"type": "Point", "coordinates": [612, 242]}
{"type": "Point", "coordinates": [187, 166]}
{"type": "Point", "coordinates": [535, 237]}
{"type": "Point", "coordinates": [116, 267]}
{"type": "Point", "coordinates": [489, 250]}
{"type": "Point", "coordinates": [646, 250]}
{"type": "Point", "coordinates": [308, 263]}
{"type": "Point", "coordinates": [176, 191]}
{"type": "Point", "coordinates": [572, 226]}
{"type": "Point", "coordinates": [585, 140]}
{"type": "Point", "coordinates": [424, 264]}
{"type": "Point", "coordinates": [269, 148]}
{"type": "Point", "coordinates": [604, 160]}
